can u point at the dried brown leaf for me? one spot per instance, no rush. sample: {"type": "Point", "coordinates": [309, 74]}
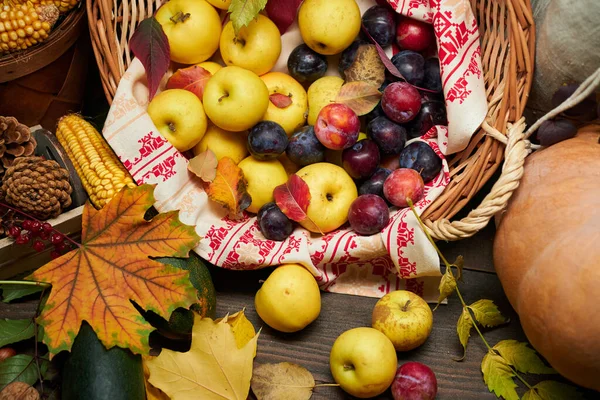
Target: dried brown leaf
{"type": "Point", "coordinates": [367, 66]}
{"type": "Point", "coordinates": [282, 381]}
{"type": "Point", "coordinates": [204, 165]}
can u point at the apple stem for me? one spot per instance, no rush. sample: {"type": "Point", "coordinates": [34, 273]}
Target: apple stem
{"type": "Point", "coordinates": [171, 126]}
{"type": "Point", "coordinates": [348, 367]}
{"type": "Point", "coordinates": [405, 307]}
{"type": "Point", "coordinates": [223, 97]}
{"type": "Point", "coordinates": [179, 17]}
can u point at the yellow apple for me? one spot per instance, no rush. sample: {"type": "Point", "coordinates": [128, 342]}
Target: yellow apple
{"type": "Point", "coordinates": [193, 28]}
{"type": "Point", "coordinates": [262, 177]}
{"type": "Point", "coordinates": [293, 116]}
{"type": "Point", "coordinates": [329, 26]}
{"type": "Point", "coordinates": [210, 66]}
{"type": "Point", "coordinates": [235, 99]}
{"type": "Point", "coordinates": [256, 46]}
{"type": "Point", "coordinates": [222, 4]}
{"type": "Point", "coordinates": [404, 317]}
{"type": "Point", "coordinates": [223, 143]}
{"type": "Point", "coordinates": [321, 92]}
{"type": "Point", "coordinates": [289, 299]}
{"type": "Point", "coordinates": [332, 191]}
{"type": "Point", "coordinates": [363, 362]}
{"type": "Point", "coordinates": [179, 116]}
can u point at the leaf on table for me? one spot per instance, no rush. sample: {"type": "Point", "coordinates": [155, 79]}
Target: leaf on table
{"type": "Point", "coordinates": [459, 263]}
{"type": "Point", "coordinates": [192, 79]}
{"type": "Point", "coordinates": [487, 314]}
{"type": "Point", "coordinates": [552, 390]}
{"type": "Point", "coordinates": [204, 165]}
{"type": "Point", "coordinates": [447, 286]}
{"type": "Point", "coordinates": [362, 97]}
{"type": "Point", "coordinates": [522, 357]}
{"type": "Point", "coordinates": [214, 368]}
{"type": "Point", "coordinates": [282, 13]}
{"type": "Point", "coordinates": [282, 381]}
{"type": "Point", "coordinates": [463, 329]}
{"type": "Point", "coordinates": [497, 375]}
{"type": "Point", "coordinates": [19, 368]}
{"type": "Point", "coordinates": [152, 393]}
{"type": "Point", "coordinates": [242, 328]}
{"type": "Point", "coordinates": [15, 330]}
{"type": "Point", "coordinates": [367, 66]}
{"type": "Point", "coordinates": [280, 100]}
{"type": "Point", "coordinates": [229, 188]}
{"type": "Point", "coordinates": [150, 45]}
{"type": "Point", "coordinates": [15, 291]}
{"type": "Point", "coordinates": [244, 11]}
{"type": "Point", "coordinates": [293, 198]}
{"type": "Point", "coordinates": [98, 281]}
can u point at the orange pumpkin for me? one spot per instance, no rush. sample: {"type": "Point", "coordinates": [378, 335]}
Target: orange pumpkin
{"type": "Point", "coordinates": [547, 255]}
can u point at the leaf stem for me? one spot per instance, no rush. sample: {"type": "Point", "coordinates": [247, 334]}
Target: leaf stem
{"type": "Point", "coordinates": [327, 384]}
{"type": "Point", "coordinates": [26, 283]}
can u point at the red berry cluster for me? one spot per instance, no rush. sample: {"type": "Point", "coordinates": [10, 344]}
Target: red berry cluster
{"type": "Point", "coordinates": [38, 234]}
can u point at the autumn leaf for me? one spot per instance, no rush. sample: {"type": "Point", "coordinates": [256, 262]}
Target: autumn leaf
{"type": "Point", "coordinates": [459, 263]}
{"type": "Point", "coordinates": [463, 329]}
{"type": "Point", "coordinates": [367, 66]}
{"type": "Point", "coordinates": [192, 79]}
{"type": "Point", "coordinates": [152, 393]}
{"type": "Point", "coordinates": [242, 328]}
{"type": "Point", "coordinates": [282, 381]}
{"type": "Point", "coordinates": [486, 313]}
{"type": "Point", "coordinates": [293, 199]}
{"type": "Point", "coordinates": [282, 13]}
{"type": "Point", "coordinates": [214, 368]}
{"type": "Point", "coordinates": [551, 390]}
{"type": "Point", "coordinates": [229, 188]}
{"type": "Point", "coordinates": [498, 375]}
{"type": "Point", "coordinates": [384, 58]}
{"type": "Point", "coordinates": [244, 11]}
{"type": "Point", "coordinates": [98, 280]}
{"type": "Point", "coordinates": [204, 165]}
{"type": "Point", "coordinates": [447, 286]}
{"type": "Point", "coordinates": [280, 100]}
{"type": "Point", "coordinates": [522, 357]}
{"type": "Point", "coordinates": [150, 45]}
{"type": "Point", "coordinates": [361, 97]}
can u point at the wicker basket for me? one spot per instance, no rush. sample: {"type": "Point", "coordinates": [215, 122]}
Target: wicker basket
{"type": "Point", "coordinates": [507, 44]}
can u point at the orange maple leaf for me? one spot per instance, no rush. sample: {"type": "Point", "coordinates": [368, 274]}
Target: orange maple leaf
{"type": "Point", "coordinates": [97, 281]}
{"type": "Point", "coordinates": [229, 188]}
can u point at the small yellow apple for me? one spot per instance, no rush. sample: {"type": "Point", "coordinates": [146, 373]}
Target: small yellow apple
{"type": "Point", "coordinates": [223, 143]}
{"type": "Point", "coordinates": [332, 191]}
{"type": "Point", "coordinates": [210, 66]}
{"type": "Point", "coordinates": [321, 92]}
{"type": "Point", "coordinates": [329, 26]}
{"type": "Point", "coordinates": [235, 99]}
{"type": "Point", "coordinates": [289, 299]}
{"type": "Point", "coordinates": [256, 47]}
{"type": "Point", "coordinates": [404, 317]}
{"type": "Point", "coordinates": [179, 116]}
{"type": "Point", "coordinates": [193, 28]}
{"type": "Point", "coordinates": [363, 362]}
{"type": "Point", "coordinates": [262, 177]}
{"type": "Point", "coordinates": [222, 4]}
{"type": "Point", "coordinates": [290, 117]}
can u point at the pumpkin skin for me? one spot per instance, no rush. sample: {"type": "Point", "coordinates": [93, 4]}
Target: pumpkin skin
{"type": "Point", "coordinates": [547, 255]}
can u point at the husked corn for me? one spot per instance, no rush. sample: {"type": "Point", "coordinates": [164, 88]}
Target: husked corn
{"type": "Point", "coordinates": [62, 5]}
{"type": "Point", "coordinates": [23, 25]}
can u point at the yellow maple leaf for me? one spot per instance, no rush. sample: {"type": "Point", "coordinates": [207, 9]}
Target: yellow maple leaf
{"type": "Point", "coordinates": [214, 368]}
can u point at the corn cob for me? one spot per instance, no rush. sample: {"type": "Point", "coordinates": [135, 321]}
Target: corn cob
{"type": "Point", "coordinates": [23, 25]}
{"type": "Point", "coordinates": [101, 172]}
{"type": "Point", "coordinates": [62, 5]}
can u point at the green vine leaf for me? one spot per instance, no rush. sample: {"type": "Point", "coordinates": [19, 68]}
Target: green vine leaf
{"type": "Point", "coordinates": [244, 11]}
{"type": "Point", "coordinates": [522, 357]}
{"type": "Point", "coordinates": [16, 291]}
{"type": "Point", "coordinates": [459, 263]}
{"type": "Point", "coordinates": [551, 390]}
{"type": "Point", "coordinates": [498, 375]}
{"type": "Point", "coordinates": [18, 368]}
{"type": "Point", "coordinates": [463, 328]}
{"type": "Point", "coordinates": [447, 286]}
{"type": "Point", "coordinates": [15, 330]}
{"type": "Point", "coordinates": [486, 313]}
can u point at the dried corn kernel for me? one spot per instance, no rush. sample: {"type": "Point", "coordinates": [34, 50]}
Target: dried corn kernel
{"type": "Point", "coordinates": [23, 24]}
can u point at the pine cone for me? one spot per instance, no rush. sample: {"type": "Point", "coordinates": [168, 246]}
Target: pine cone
{"type": "Point", "coordinates": [15, 141]}
{"type": "Point", "coordinates": [37, 186]}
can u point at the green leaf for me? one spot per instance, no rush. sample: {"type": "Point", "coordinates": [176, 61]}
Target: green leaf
{"type": "Point", "coordinates": [18, 368]}
{"type": "Point", "coordinates": [244, 11]}
{"type": "Point", "coordinates": [15, 330]}
{"type": "Point", "coordinates": [551, 390]}
{"type": "Point", "coordinates": [16, 291]}
{"type": "Point", "coordinates": [463, 328]}
{"type": "Point", "coordinates": [497, 375]}
{"type": "Point", "coordinates": [487, 314]}
{"type": "Point", "coordinates": [522, 357]}
{"type": "Point", "coordinates": [459, 264]}
{"type": "Point", "coordinates": [447, 286]}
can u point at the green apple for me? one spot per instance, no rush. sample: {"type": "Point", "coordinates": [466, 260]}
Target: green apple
{"type": "Point", "coordinates": [363, 362]}
{"type": "Point", "coordinates": [256, 47]}
{"type": "Point", "coordinates": [179, 116]}
{"type": "Point", "coordinates": [329, 26]}
{"type": "Point", "coordinates": [404, 317]}
{"type": "Point", "coordinates": [235, 99]}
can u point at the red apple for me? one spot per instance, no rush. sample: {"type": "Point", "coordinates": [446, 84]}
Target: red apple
{"type": "Point", "coordinates": [401, 102]}
{"type": "Point", "coordinates": [414, 35]}
{"type": "Point", "coordinates": [403, 183]}
{"type": "Point", "coordinates": [414, 381]}
{"type": "Point", "coordinates": [337, 126]}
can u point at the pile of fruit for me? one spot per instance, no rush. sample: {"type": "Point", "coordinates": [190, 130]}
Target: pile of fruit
{"type": "Point", "coordinates": [353, 141]}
